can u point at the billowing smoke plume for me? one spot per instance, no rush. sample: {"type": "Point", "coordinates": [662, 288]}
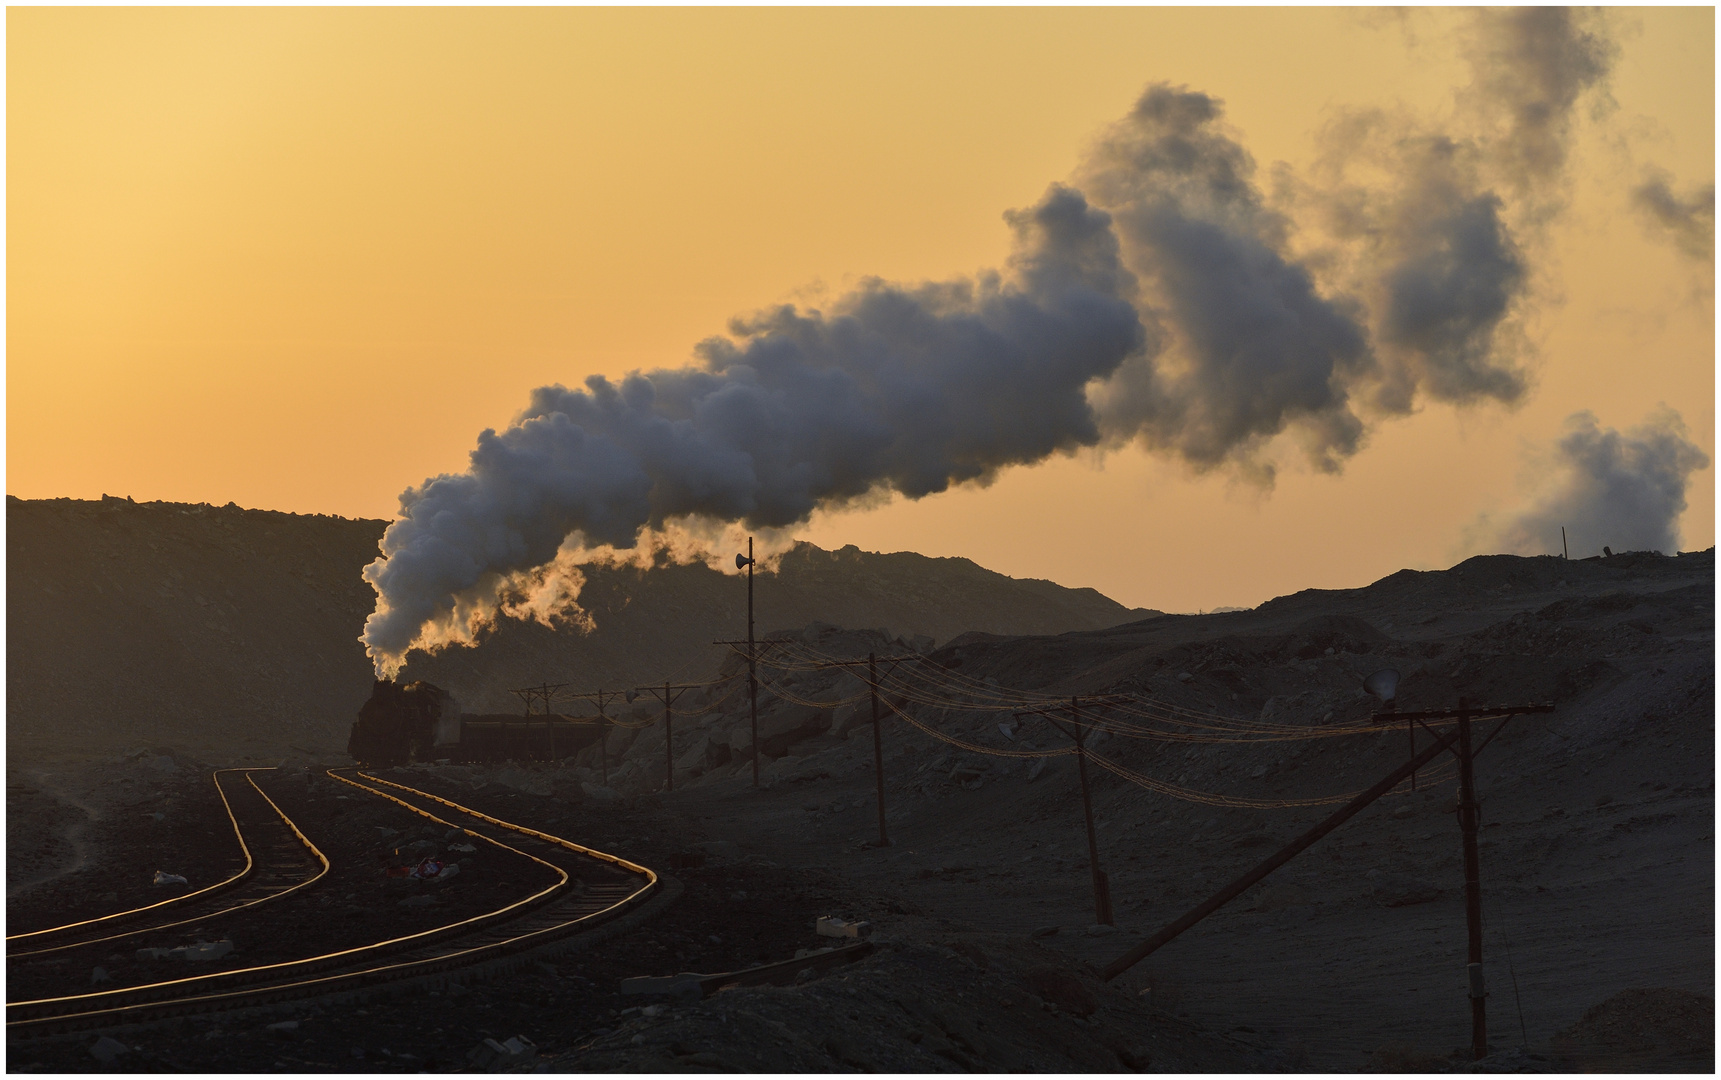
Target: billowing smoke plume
{"type": "Point", "coordinates": [1425, 223]}
{"type": "Point", "coordinates": [1165, 298]}
{"type": "Point", "coordinates": [1625, 490]}
{"type": "Point", "coordinates": [1252, 347]}
{"type": "Point", "coordinates": [908, 389]}
{"type": "Point", "coordinates": [1532, 65]}
{"type": "Point", "coordinates": [1687, 220]}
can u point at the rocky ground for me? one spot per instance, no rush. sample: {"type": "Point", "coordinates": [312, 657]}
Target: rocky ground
{"type": "Point", "coordinates": [1597, 856]}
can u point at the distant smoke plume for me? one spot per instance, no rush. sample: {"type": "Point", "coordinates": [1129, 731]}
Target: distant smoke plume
{"type": "Point", "coordinates": [908, 389]}
{"type": "Point", "coordinates": [1164, 299]}
{"type": "Point", "coordinates": [1531, 67]}
{"type": "Point", "coordinates": [1687, 220]}
{"type": "Point", "coordinates": [1424, 222]}
{"type": "Point", "coordinates": [1624, 491]}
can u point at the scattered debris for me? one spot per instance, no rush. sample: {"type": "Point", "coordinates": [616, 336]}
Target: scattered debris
{"type": "Point", "coordinates": [200, 951]}
{"type": "Point", "coordinates": [828, 926]}
{"type": "Point", "coordinates": [107, 1050]}
{"type": "Point", "coordinates": [162, 877]}
{"type": "Point", "coordinates": [491, 1055]}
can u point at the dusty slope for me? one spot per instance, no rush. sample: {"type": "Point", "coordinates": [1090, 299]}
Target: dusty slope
{"type": "Point", "coordinates": [1598, 853]}
{"type": "Point", "coordinates": [233, 631]}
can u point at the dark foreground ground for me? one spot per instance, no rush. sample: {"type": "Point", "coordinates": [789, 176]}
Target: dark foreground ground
{"type": "Point", "coordinates": [1597, 861]}
{"type": "Point", "coordinates": [935, 996]}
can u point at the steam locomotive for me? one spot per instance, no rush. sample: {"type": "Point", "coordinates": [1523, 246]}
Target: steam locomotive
{"type": "Point", "coordinates": [420, 721]}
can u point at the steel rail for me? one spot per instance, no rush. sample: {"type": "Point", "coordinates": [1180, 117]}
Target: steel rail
{"type": "Point", "coordinates": [140, 931]}
{"type": "Point", "coordinates": [205, 891]}
{"type": "Point", "coordinates": [344, 955]}
{"type": "Point", "coordinates": [113, 1008]}
{"type": "Point", "coordinates": [569, 844]}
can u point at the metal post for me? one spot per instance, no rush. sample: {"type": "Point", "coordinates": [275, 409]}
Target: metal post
{"type": "Point", "coordinates": [1410, 727]}
{"type": "Point", "coordinates": [668, 743]}
{"type": "Point", "coordinates": [1467, 814]}
{"type": "Point", "coordinates": [752, 656]}
{"type": "Point", "coordinates": [1565, 552]}
{"type": "Point", "coordinates": [877, 745]}
{"type": "Point", "coordinates": [603, 738]}
{"type": "Point", "coordinates": [1102, 901]}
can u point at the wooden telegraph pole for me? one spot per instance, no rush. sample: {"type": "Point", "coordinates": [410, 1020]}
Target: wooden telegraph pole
{"type": "Point", "coordinates": [601, 698]}
{"type": "Point", "coordinates": [752, 655]}
{"type": "Point", "coordinates": [667, 694]}
{"type": "Point", "coordinates": [1102, 884]}
{"type": "Point", "coordinates": [1459, 743]}
{"type": "Point", "coordinates": [1467, 815]}
{"type": "Point", "coordinates": [872, 661]}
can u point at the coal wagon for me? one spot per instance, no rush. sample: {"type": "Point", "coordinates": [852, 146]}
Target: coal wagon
{"type": "Point", "coordinates": [420, 721]}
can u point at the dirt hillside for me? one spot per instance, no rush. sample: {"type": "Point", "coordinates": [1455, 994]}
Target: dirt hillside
{"type": "Point", "coordinates": [1597, 850]}
{"type": "Point", "coordinates": [1598, 820]}
{"type": "Point", "coordinates": [233, 631]}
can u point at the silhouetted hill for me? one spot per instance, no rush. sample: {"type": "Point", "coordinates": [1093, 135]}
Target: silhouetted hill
{"type": "Point", "coordinates": [236, 630]}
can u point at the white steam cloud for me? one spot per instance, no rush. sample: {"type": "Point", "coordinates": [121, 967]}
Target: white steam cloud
{"type": "Point", "coordinates": [907, 389]}
{"type": "Point", "coordinates": [1623, 490]}
{"type": "Point", "coordinates": [1162, 298]}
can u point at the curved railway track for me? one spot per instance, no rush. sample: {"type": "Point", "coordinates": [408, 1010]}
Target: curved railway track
{"type": "Point", "coordinates": [279, 861]}
{"type": "Point", "coordinates": [588, 887]}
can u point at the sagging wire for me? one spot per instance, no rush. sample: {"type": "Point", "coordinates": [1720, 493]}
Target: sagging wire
{"type": "Point", "coordinates": [975, 747]}
{"type": "Point", "coordinates": [921, 684]}
{"type": "Point", "coordinates": [1432, 776]}
{"type": "Point", "coordinates": [1204, 727]}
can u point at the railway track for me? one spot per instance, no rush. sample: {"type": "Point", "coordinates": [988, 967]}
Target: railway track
{"type": "Point", "coordinates": [279, 861]}
{"type": "Point", "coordinates": [587, 888]}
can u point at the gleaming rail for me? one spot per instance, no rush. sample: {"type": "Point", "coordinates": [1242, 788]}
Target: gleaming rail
{"type": "Point", "coordinates": [566, 907]}
{"type": "Point", "coordinates": [248, 888]}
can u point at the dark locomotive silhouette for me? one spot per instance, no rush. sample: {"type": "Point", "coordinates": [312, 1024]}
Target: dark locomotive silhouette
{"type": "Point", "coordinates": [420, 721]}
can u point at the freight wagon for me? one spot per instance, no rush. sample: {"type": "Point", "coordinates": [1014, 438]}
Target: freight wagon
{"type": "Point", "coordinates": [420, 721]}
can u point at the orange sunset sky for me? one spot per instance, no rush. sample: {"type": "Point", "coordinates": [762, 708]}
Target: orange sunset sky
{"type": "Point", "coordinates": [298, 259]}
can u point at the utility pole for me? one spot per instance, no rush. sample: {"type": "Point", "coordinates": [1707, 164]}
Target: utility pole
{"type": "Point", "coordinates": [1442, 743]}
{"type": "Point", "coordinates": [1565, 552]}
{"type": "Point", "coordinates": [1102, 884]}
{"type": "Point", "coordinates": [667, 694]}
{"type": "Point", "coordinates": [752, 656]}
{"type": "Point", "coordinates": [1467, 814]}
{"type": "Point", "coordinates": [602, 698]}
{"type": "Point", "coordinates": [545, 693]}
{"type": "Point", "coordinates": [872, 662]}
{"type": "Point", "coordinates": [752, 661]}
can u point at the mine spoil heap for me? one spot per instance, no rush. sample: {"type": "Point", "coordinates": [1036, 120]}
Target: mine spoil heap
{"type": "Point", "coordinates": [1596, 846]}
